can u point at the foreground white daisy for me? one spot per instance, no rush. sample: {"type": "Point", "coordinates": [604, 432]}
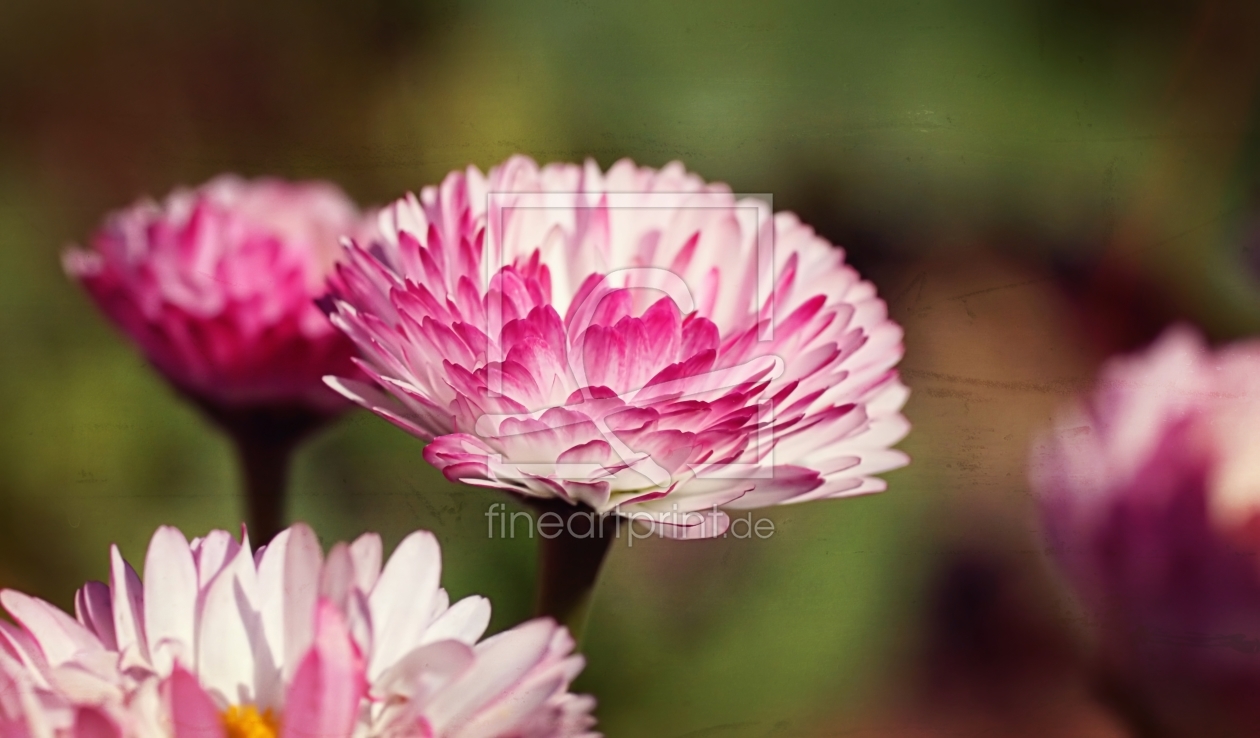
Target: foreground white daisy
{"type": "Point", "coordinates": [218, 641]}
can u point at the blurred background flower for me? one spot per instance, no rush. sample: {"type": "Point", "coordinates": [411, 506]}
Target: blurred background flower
{"type": "Point", "coordinates": [1032, 184]}
{"type": "Point", "coordinates": [217, 287]}
{"type": "Point", "coordinates": [1149, 502]}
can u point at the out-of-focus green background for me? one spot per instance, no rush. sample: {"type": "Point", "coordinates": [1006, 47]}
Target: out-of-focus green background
{"type": "Point", "coordinates": [1032, 184]}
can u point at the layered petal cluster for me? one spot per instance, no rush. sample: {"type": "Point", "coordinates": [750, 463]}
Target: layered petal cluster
{"type": "Point", "coordinates": [1149, 492]}
{"type": "Point", "coordinates": [218, 641]}
{"type": "Point", "coordinates": [637, 341]}
{"type": "Point", "coordinates": [216, 285]}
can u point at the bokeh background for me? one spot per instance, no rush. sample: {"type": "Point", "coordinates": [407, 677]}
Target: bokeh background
{"type": "Point", "coordinates": [1033, 185]}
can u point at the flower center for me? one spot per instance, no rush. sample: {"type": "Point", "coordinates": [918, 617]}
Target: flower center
{"type": "Point", "coordinates": [248, 722]}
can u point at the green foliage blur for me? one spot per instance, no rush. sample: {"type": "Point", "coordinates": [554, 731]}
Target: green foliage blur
{"type": "Point", "coordinates": [1032, 184]}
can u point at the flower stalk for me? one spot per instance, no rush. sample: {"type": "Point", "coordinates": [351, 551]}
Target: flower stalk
{"type": "Point", "coordinates": [265, 440]}
{"type": "Point", "coordinates": [573, 543]}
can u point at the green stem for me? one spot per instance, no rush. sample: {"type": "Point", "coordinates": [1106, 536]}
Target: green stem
{"type": "Point", "coordinates": [265, 439]}
{"type": "Point", "coordinates": [265, 467]}
{"type": "Point", "coordinates": [574, 541]}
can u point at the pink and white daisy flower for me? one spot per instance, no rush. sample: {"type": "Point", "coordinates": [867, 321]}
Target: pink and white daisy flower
{"type": "Point", "coordinates": [218, 641]}
{"type": "Point", "coordinates": [636, 341]}
{"type": "Point", "coordinates": [216, 285]}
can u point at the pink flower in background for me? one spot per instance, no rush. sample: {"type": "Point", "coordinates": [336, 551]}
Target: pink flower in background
{"type": "Point", "coordinates": [1150, 492]}
{"type": "Point", "coordinates": [636, 341]}
{"type": "Point", "coordinates": [216, 285]}
{"type": "Point", "coordinates": [219, 641]}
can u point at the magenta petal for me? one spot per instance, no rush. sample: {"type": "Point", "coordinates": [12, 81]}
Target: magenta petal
{"type": "Point", "coordinates": [323, 700]}
{"type": "Point", "coordinates": [592, 452]}
{"type": "Point", "coordinates": [193, 713]}
{"type": "Point", "coordinates": [786, 483]}
{"type": "Point", "coordinates": [694, 525]}
{"type": "Point", "coordinates": [92, 722]}
{"type": "Point", "coordinates": [60, 637]}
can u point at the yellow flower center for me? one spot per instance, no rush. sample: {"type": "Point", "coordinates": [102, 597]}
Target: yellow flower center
{"type": "Point", "coordinates": [248, 722]}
